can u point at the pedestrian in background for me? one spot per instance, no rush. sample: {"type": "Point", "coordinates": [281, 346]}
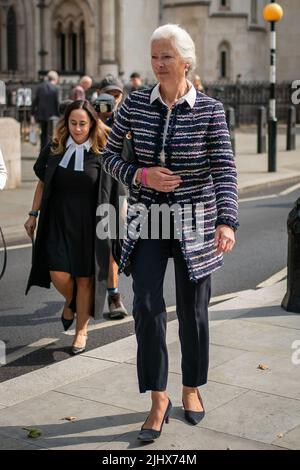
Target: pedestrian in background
{"type": "Point", "coordinates": [3, 172]}
{"type": "Point", "coordinates": [71, 186]}
{"type": "Point", "coordinates": [106, 106]}
{"type": "Point", "coordinates": [136, 82]}
{"type": "Point", "coordinates": [45, 105]}
{"type": "Point", "coordinates": [114, 87]}
{"type": "Point", "coordinates": [79, 92]}
{"type": "Point", "coordinates": [63, 106]}
{"type": "Point", "coordinates": [184, 156]}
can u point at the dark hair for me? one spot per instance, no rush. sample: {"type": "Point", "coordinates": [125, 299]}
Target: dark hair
{"type": "Point", "coordinates": [63, 106]}
{"type": "Point", "coordinates": [98, 132]}
{"type": "Point", "coordinates": [135, 75]}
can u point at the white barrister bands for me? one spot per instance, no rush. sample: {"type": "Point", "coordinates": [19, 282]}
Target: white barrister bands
{"type": "Point", "coordinates": [79, 154]}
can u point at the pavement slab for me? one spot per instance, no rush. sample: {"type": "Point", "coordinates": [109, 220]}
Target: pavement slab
{"type": "Point", "coordinates": [95, 422]}
{"type": "Point", "coordinates": [255, 416]}
{"type": "Point", "coordinates": [282, 377]}
{"type": "Point", "coordinates": [48, 378]}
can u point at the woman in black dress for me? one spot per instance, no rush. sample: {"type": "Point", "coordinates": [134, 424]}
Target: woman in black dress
{"type": "Point", "coordinates": [71, 185]}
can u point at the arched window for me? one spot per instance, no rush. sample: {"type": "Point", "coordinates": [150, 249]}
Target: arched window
{"type": "Point", "coordinates": [254, 11]}
{"type": "Point", "coordinates": [12, 52]}
{"type": "Point", "coordinates": [224, 4]}
{"type": "Point", "coordinates": [70, 47]}
{"type": "Point", "coordinates": [82, 48]}
{"type": "Point", "coordinates": [224, 60]}
{"type": "Point", "coordinates": [61, 48]}
{"type": "Point", "coordinates": [74, 51]}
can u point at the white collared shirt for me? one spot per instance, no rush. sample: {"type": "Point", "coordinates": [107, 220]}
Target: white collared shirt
{"type": "Point", "coordinates": [79, 149]}
{"type": "Point", "coordinates": [189, 97]}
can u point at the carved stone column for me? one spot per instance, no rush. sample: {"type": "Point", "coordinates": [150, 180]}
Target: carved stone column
{"type": "Point", "coordinates": [42, 51]}
{"type": "Point", "coordinates": [120, 35]}
{"type": "Point", "coordinates": [3, 38]}
{"type": "Point", "coordinates": [108, 39]}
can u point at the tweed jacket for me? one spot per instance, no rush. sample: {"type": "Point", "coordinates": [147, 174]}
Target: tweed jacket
{"type": "Point", "coordinates": [198, 149]}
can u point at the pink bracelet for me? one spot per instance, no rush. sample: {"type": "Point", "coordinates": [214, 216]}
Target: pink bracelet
{"type": "Point", "coordinates": [144, 176]}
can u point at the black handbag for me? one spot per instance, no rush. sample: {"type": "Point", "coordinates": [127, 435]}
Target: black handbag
{"type": "Point", "coordinates": [128, 155]}
{"type": "Point", "coordinates": [5, 255]}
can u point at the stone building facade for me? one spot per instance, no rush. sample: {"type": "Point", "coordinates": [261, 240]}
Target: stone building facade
{"type": "Point", "coordinates": [100, 36]}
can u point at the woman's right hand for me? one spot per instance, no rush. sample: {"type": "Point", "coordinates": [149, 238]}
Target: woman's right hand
{"type": "Point", "coordinates": [30, 226]}
{"type": "Point", "coordinates": [162, 179]}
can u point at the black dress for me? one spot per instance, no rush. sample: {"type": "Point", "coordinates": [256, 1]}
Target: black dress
{"type": "Point", "coordinates": [71, 224]}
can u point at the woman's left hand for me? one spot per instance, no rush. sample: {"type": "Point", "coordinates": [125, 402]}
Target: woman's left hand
{"type": "Point", "coordinates": [224, 239]}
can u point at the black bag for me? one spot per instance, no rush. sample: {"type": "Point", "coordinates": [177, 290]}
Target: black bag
{"type": "Point", "coordinates": [5, 255]}
{"type": "Point", "coordinates": [128, 154]}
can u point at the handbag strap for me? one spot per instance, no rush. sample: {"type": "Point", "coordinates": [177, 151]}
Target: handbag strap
{"type": "Point", "coordinates": [5, 255]}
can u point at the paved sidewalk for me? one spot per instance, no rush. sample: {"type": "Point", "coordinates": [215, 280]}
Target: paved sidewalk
{"type": "Point", "coordinates": [253, 168]}
{"type": "Point", "coordinates": [246, 407]}
{"type": "Point", "coordinates": [252, 172]}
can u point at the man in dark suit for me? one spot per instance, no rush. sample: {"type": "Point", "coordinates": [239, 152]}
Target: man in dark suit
{"type": "Point", "coordinates": [45, 106]}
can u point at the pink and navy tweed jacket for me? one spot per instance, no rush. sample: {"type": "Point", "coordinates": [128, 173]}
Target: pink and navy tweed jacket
{"type": "Point", "coordinates": [198, 149]}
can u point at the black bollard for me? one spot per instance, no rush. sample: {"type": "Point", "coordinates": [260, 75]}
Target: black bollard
{"type": "Point", "coordinates": [261, 130]}
{"type": "Point", "coordinates": [291, 129]}
{"type": "Point", "coordinates": [291, 300]}
{"type": "Point", "coordinates": [230, 118]}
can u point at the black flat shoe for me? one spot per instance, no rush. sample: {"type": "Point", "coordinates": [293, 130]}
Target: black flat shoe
{"type": "Point", "coordinates": [149, 435]}
{"type": "Point", "coordinates": [194, 417]}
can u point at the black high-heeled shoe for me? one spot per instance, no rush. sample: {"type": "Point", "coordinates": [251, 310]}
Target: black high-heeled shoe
{"type": "Point", "coordinates": [66, 322]}
{"type": "Point", "coordinates": [149, 435]}
{"type": "Point", "coordinates": [194, 417]}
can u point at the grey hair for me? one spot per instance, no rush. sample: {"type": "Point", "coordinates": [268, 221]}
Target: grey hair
{"type": "Point", "coordinates": [181, 40]}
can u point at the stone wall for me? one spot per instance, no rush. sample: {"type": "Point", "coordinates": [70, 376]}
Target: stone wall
{"type": "Point", "coordinates": [117, 36]}
{"type": "Point", "coordinates": [247, 45]}
{"type": "Point", "coordinates": [10, 143]}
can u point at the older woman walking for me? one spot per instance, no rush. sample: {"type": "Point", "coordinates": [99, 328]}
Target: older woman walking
{"type": "Point", "coordinates": [183, 156]}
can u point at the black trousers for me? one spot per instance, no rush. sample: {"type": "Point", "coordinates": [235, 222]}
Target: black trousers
{"type": "Point", "coordinates": [149, 262]}
{"type": "Point", "coordinates": [44, 133]}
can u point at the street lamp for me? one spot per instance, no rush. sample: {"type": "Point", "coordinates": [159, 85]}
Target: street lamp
{"type": "Point", "coordinates": [272, 13]}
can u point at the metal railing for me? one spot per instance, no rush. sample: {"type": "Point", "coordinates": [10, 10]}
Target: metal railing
{"type": "Point", "coordinates": [245, 98]}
